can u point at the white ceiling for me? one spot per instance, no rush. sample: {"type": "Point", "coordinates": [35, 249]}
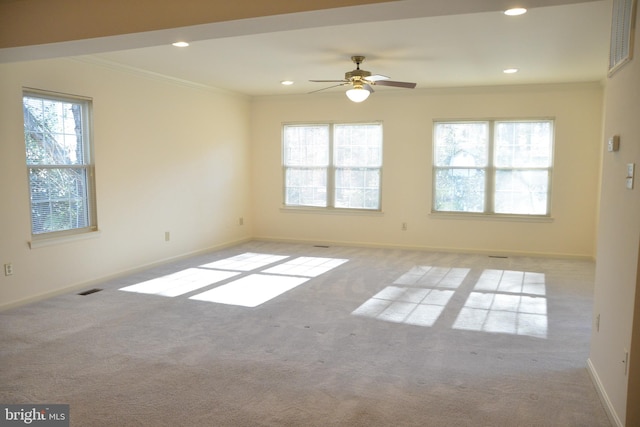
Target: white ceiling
{"type": "Point", "coordinates": [550, 44]}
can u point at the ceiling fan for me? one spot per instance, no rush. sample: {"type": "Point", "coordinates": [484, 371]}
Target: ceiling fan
{"type": "Point", "coordinates": [361, 82]}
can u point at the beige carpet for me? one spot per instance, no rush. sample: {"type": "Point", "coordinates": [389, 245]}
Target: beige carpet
{"type": "Point", "coordinates": [386, 338]}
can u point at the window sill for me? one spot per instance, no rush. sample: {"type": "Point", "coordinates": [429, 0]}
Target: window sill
{"type": "Point", "coordinates": [330, 211]}
{"type": "Point", "coordinates": [57, 240]}
{"type": "Point", "coordinates": [490, 217]}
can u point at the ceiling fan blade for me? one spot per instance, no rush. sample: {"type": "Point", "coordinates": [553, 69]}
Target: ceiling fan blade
{"type": "Point", "coordinates": [396, 84]}
{"type": "Point", "coordinates": [369, 88]}
{"type": "Point", "coordinates": [325, 88]}
{"type": "Point", "coordinates": [376, 78]}
{"type": "Point", "coordinates": [329, 81]}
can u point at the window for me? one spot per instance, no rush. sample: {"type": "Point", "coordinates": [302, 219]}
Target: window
{"type": "Point", "coordinates": [493, 167]}
{"type": "Point", "coordinates": [333, 165]}
{"type": "Point", "coordinates": [58, 153]}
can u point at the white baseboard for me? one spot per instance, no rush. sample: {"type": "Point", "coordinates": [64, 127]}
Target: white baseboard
{"type": "Point", "coordinates": [351, 243]}
{"type": "Point", "coordinates": [608, 406]}
{"type": "Point", "coordinates": [121, 273]}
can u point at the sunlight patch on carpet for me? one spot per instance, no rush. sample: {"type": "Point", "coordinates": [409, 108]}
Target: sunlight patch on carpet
{"type": "Point", "coordinates": [502, 301]}
{"type": "Point", "coordinates": [181, 282]}
{"type": "Point", "coordinates": [245, 262]}
{"type": "Point", "coordinates": [511, 281]}
{"type": "Point", "coordinates": [306, 266]}
{"type": "Point", "coordinates": [437, 277]}
{"type": "Point", "coordinates": [250, 291]}
{"type": "Point", "coordinates": [508, 302]}
{"type": "Point", "coordinates": [413, 306]}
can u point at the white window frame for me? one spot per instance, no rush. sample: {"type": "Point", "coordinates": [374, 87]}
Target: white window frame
{"type": "Point", "coordinates": [331, 168]}
{"type": "Point", "coordinates": [490, 170]}
{"type": "Point", "coordinates": [84, 166]}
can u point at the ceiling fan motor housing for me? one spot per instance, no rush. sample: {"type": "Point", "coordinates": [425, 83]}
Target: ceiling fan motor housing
{"type": "Point", "coordinates": [357, 74]}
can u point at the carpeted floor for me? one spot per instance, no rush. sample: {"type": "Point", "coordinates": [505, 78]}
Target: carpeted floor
{"type": "Point", "coordinates": [389, 337]}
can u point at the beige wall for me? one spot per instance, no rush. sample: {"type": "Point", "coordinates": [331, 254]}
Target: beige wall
{"type": "Point", "coordinates": [188, 160]}
{"type": "Point", "coordinates": [186, 170]}
{"type": "Point", "coordinates": [617, 254]}
{"type": "Point", "coordinates": [406, 188]}
{"type": "Point", "coordinates": [169, 157]}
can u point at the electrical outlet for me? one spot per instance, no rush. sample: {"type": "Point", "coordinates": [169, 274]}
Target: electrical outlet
{"type": "Point", "coordinates": [625, 361]}
{"type": "Point", "coordinates": [167, 236]}
{"type": "Point", "coordinates": [598, 323]}
{"type": "Point", "coordinates": [8, 269]}
{"type": "Point", "coordinates": [404, 226]}
{"type": "Point", "coordinates": [241, 221]}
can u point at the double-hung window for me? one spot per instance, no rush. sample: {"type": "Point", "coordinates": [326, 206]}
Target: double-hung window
{"type": "Point", "coordinates": [58, 152]}
{"type": "Point", "coordinates": [333, 165]}
{"type": "Point", "coordinates": [493, 167]}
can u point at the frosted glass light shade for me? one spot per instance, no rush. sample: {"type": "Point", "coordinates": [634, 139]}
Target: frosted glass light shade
{"type": "Point", "coordinates": [357, 94]}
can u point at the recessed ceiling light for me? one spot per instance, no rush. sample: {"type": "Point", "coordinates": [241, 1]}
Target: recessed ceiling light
{"type": "Point", "coordinates": [510, 70]}
{"type": "Point", "coordinates": [180, 44]}
{"type": "Point", "coordinates": [515, 11]}
{"type": "Point", "coordinates": [286, 82]}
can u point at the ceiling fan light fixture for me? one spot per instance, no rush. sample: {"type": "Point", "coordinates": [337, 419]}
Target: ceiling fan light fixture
{"type": "Point", "coordinates": [361, 82]}
{"type": "Point", "coordinates": [358, 94]}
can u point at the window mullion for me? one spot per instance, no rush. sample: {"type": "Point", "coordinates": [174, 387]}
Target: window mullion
{"type": "Point", "coordinates": [331, 171]}
{"type": "Point", "coordinates": [490, 173]}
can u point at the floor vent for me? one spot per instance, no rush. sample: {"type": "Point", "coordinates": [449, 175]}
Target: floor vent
{"type": "Point", "coordinates": [320, 246]}
{"type": "Point", "coordinates": [498, 256]}
{"type": "Point", "coordinates": [90, 291]}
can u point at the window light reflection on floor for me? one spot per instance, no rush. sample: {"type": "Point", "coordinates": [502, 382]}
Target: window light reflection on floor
{"type": "Point", "coordinates": [256, 289]}
{"type": "Point", "coordinates": [437, 277]}
{"type": "Point", "coordinates": [502, 301]}
{"type": "Point", "coordinates": [510, 302]}
{"type": "Point", "coordinates": [306, 266]}
{"type": "Point", "coordinates": [248, 291]}
{"type": "Point", "coordinates": [245, 262]}
{"type": "Point", "coordinates": [182, 282]}
{"type": "Point", "coordinates": [416, 302]}
{"type": "Point", "coordinates": [251, 291]}
{"type": "Point", "coordinates": [414, 306]}
{"type": "Point", "coordinates": [511, 281]}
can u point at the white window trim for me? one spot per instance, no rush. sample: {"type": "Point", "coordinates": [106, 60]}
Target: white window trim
{"type": "Point", "coordinates": [466, 216]}
{"type": "Point", "coordinates": [490, 170]}
{"type": "Point", "coordinates": [330, 211]}
{"type": "Point", "coordinates": [88, 233]}
{"type": "Point", "coordinates": [64, 236]}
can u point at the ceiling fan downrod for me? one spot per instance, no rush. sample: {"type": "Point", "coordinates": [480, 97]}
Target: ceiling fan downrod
{"type": "Point", "coordinates": [357, 74]}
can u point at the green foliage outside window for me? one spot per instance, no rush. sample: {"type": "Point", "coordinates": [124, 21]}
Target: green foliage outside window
{"type": "Point", "coordinates": [58, 163]}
